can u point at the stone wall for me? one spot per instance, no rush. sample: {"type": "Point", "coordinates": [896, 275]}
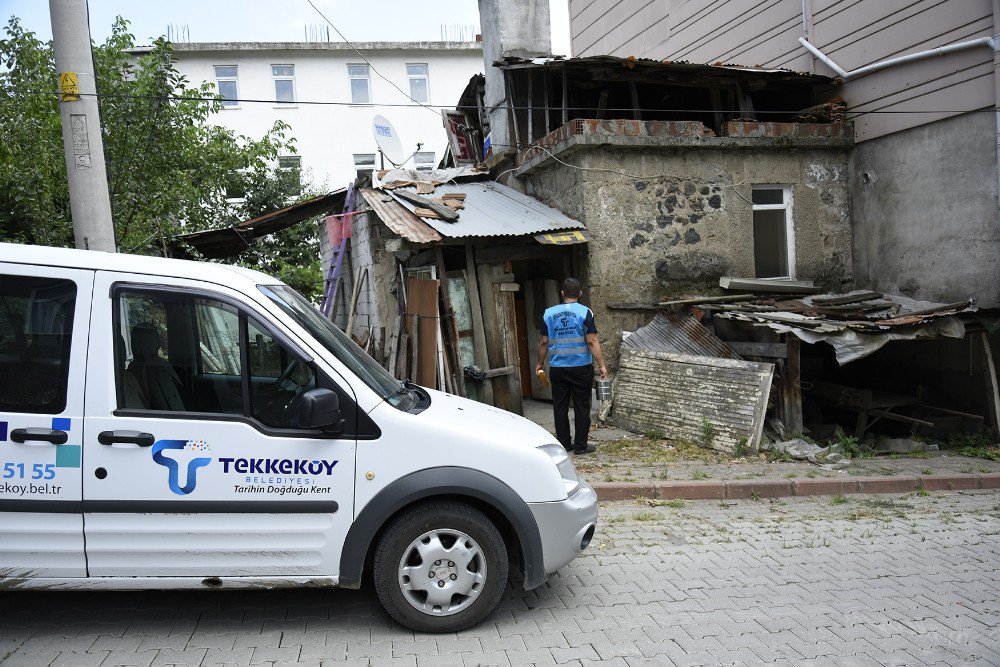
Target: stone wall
{"type": "Point", "coordinates": [669, 222]}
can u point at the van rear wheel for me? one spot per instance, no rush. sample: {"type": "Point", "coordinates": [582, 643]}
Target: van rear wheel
{"type": "Point", "coordinates": [440, 567]}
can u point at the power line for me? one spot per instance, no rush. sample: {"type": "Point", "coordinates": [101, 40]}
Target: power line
{"type": "Point", "coordinates": [368, 62]}
{"type": "Point", "coordinates": [469, 107]}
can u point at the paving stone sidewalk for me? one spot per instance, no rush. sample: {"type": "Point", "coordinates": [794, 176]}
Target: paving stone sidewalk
{"type": "Point", "coordinates": [866, 580]}
{"type": "Point", "coordinates": [626, 465]}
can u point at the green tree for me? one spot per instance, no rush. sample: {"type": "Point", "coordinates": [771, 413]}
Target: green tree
{"type": "Point", "coordinates": [169, 167]}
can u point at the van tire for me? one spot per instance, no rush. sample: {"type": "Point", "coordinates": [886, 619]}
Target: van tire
{"type": "Point", "coordinates": [432, 526]}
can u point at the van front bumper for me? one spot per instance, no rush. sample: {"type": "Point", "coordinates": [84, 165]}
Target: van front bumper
{"type": "Point", "coordinates": [566, 526]}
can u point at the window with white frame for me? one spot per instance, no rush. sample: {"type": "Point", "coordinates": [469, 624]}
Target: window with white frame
{"type": "Point", "coordinates": [290, 167]}
{"type": "Point", "coordinates": [423, 161]}
{"type": "Point", "coordinates": [773, 237]}
{"type": "Point", "coordinates": [226, 82]}
{"type": "Point", "coordinates": [284, 83]}
{"type": "Point", "coordinates": [361, 85]}
{"type": "Point", "coordinates": [364, 164]}
{"type": "Point", "coordinates": [419, 87]}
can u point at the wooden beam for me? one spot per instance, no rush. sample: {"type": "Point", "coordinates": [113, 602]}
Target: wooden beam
{"type": "Point", "coordinates": [602, 103]}
{"type": "Point", "coordinates": [500, 253]}
{"type": "Point", "coordinates": [503, 278]}
{"type": "Point", "coordinates": [992, 387]}
{"type": "Point", "coordinates": [791, 388]}
{"type": "Point", "coordinates": [844, 300]}
{"type": "Point", "coordinates": [476, 308]}
{"type": "Point", "coordinates": [446, 212]}
{"type": "Point", "coordinates": [634, 92]}
{"type": "Point", "coordinates": [531, 107]}
{"type": "Point", "coordinates": [545, 97]}
{"type": "Point", "coordinates": [565, 95]}
{"type": "Point", "coordinates": [499, 372]}
{"type": "Point", "coordinates": [511, 112]}
{"type": "Point", "coordinates": [769, 350]}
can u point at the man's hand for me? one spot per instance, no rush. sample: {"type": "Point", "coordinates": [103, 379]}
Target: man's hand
{"type": "Point", "coordinates": [604, 372]}
{"type": "Point", "coordinates": [539, 366]}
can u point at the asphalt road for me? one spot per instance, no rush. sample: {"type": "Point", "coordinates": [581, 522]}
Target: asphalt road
{"type": "Point", "coordinates": [881, 580]}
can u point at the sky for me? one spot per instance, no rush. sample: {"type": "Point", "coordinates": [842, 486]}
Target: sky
{"type": "Point", "coordinates": [278, 20]}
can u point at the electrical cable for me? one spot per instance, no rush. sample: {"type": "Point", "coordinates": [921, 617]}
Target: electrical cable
{"type": "Point", "coordinates": [216, 98]}
{"type": "Point", "coordinates": [524, 156]}
{"type": "Point", "coordinates": [368, 62]}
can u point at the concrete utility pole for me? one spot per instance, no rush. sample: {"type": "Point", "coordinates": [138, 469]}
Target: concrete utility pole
{"type": "Point", "coordinates": [90, 205]}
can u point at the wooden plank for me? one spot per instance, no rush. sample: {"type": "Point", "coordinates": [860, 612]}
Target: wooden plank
{"type": "Point", "coordinates": [844, 300]}
{"type": "Point", "coordinates": [476, 311]}
{"type": "Point", "coordinates": [422, 301]}
{"type": "Point", "coordinates": [503, 278]}
{"type": "Point", "coordinates": [445, 212]}
{"type": "Point", "coordinates": [501, 342]}
{"type": "Point", "coordinates": [509, 287]}
{"type": "Point", "coordinates": [499, 372]}
{"type": "Point", "coordinates": [992, 387]}
{"type": "Point", "coordinates": [356, 294]}
{"type": "Point", "coordinates": [748, 349]}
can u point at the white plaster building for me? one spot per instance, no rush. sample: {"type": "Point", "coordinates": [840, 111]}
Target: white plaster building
{"type": "Point", "coordinates": [329, 95]}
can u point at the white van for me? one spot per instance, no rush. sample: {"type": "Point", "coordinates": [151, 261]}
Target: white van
{"type": "Point", "coordinates": [173, 424]}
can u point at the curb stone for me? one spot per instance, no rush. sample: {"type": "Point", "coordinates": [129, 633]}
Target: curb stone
{"type": "Point", "coordinates": [780, 488]}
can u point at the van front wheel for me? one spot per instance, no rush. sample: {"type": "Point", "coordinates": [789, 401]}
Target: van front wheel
{"type": "Point", "coordinates": [440, 567]}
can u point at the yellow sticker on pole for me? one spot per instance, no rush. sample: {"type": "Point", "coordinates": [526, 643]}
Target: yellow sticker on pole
{"type": "Point", "coordinates": [69, 86]}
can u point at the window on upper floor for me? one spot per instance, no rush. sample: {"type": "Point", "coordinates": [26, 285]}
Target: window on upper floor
{"type": "Point", "coordinates": [419, 86]}
{"type": "Point", "coordinates": [226, 82]}
{"type": "Point", "coordinates": [364, 164]}
{"type": "Point", "coordinates": [773, 237]}
{"type": "Point", "coordinates": [290, 168]}
{"type": "Point", "coordinates": [424, 161]}
{"type": "Point", "coordinates": [361, 84]}
{"type": "Point", "coordinates": [284, 83]}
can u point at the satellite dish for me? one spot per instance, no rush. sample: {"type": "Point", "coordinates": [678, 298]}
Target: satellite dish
{"type": "Point", "coordinates": [387, 140]}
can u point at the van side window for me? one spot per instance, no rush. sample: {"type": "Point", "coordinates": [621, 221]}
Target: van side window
{"type": "Point", "coordinates": [185, 353]}
{"type": "Point", "coordinates": [36, 325]}
{"type": "Point", "coordinates": [277, 379]}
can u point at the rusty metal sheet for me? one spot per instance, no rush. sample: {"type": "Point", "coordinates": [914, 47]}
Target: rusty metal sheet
{"type": "Point", "coordinates": [398, 218]}
{"type": "Point", "coordinates": [680, 333]}
{"type": "Point", "coordinates": [231, 241]}
{"type": "Point", "coordinates": [717, 403]}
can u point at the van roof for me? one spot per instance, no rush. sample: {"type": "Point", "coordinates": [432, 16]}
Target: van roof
{"type": "Point", "coordinates": [104, 261]}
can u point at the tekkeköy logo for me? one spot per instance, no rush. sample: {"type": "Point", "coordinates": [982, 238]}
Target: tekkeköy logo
{"type": "Point", "coordinates": [173, 466]}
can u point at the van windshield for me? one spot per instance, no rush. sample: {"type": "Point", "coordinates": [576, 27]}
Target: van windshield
{"type": "Point", "coordinates": [341, 346]}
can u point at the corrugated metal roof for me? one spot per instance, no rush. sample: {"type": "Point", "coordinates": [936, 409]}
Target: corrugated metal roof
{"type": "Point", "coordinates": [398, 218]}
{"type": "Point", "coordinates": [230, 241]}
{"type": "Point", "coordinates": [681, 334]}
{"type": "Point", "coordinates": [492, 209]}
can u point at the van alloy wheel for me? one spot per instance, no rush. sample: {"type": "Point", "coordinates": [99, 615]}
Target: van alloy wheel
{"type": "Point", "coordinates": [440, 567]}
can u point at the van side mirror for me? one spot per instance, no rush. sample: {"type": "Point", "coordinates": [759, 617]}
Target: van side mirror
{"type": "Point", "coordinates": [320, 410]}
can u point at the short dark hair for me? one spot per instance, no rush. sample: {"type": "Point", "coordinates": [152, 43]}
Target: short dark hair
{"type": "Point", "coordinates": [571, 288]}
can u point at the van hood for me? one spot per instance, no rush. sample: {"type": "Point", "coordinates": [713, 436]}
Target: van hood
{"type": "Point", "coordinates": [490, 423]}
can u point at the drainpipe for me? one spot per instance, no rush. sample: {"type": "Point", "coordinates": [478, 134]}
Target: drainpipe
{"type": "Point", "coordinates": [995, 43]}
{"type": "Point", "coordinates": [868, 69]}
{"type": "Point", "coordinates": [992, 42]}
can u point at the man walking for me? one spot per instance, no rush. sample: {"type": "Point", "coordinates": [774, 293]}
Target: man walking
{"type": "Point", "coordinates": [569, 333]}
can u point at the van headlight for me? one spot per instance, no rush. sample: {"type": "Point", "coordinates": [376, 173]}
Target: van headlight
{"type": "Point", "coordinates": [563, 463]}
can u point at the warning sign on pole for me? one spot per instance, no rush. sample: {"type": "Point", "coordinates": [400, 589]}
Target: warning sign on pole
{"type": "Point", "coordinates": [69, 87]}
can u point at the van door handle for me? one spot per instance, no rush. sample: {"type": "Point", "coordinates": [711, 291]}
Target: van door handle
{"type": "Point", "coordinates": [48, 435]}
{"type": "Point", "coordinates": [126, 437]}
